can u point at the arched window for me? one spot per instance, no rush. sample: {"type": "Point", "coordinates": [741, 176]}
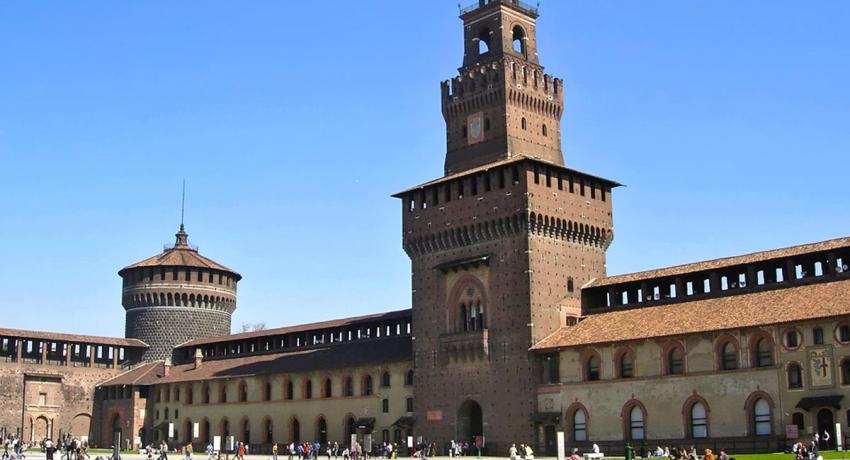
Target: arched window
{"type": "Point", "coordinates": [205, 394]}
{"type": "Point", "coordinates": [728, 356]}
{"type": "Point", "coordinates": [328, 388]}
{"type": "Point", "coordinates": [762, 418]}
{"type": "Point", "coordinates": [792, 339]}
{"type": "Point", "coordinates": [698, 420]}
{"type": "Point", "coordinates": [348, 387]}
{"type": "Point", "coordinates": [676, 361]}
{"type": "Point", "coordinates": [627, 365]}
{"type": "Point", "coordinates": [763, 353]}
{"type": "Point", "coordinates": [519, 40]}
{"type": "Point", "coordinates": [367, 386]}
{"type": "Point", "coordinates": [267, 391]}
{"type": "Point", "coordinates": [795, 376]}
{"type": "Point", "coordinates": [484, 41]}
{"type": "Point", "coordinates": [243, 392]}
{"type": "Point", "coordinates": [636, 424]}
{"type": "Point", "coordinates": [570, 284]}
{"type": "Point", "coordinates": [817, 336]}
{"type": "Point", "coordinates": [409, 405]}
{"type": "Point", "coordinates": [246, 431]}
{"type": "Point", "coordinates": [845, 371]}
{"type": "Point", "coordinates": [385, 380]}
{"type": "Point", "coordinates": [294, 430]}
{"type": "Point", "coordinates": [308, 389]}
{"type": "Point", "coordinates": [408, 378]}
{"type": "Point", "coordinates": [591, 371]}
{"type": "Point", "coordinates": [579, 425]}
{"type": "Point", "coordinates": [842, 333]}
{"type": "Point", "coordinates": [268, 431]}
{"type": "Point", "coordinates": [222, 392]}
{"type": "Point", "coordinates": [385, 406]}
{"type": "Point", "coordinates": [469, 300]}
{"type": "Point", "coordinates": [288, 391]}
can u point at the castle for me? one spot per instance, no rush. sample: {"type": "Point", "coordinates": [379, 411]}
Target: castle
{"type": "Point", "coordinates": [515, 334]}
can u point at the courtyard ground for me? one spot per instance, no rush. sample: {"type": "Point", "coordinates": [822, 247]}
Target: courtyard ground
{"type": "Point", "coordinates": [828, 455]}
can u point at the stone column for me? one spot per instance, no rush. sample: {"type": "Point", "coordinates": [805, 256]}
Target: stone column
{"type": "Point", "coordinates": [114, 356]}
{"type": "Point", "coordinates": [69, 348]}
{"type": "Point", "coordinates": [20, 349]}
{"type": "Point", "coordinates": [92, 351]}
{"type": "Point", "coordinates": [43, 351]}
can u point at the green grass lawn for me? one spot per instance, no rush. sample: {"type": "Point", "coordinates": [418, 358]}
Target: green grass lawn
{"type": "Point", "coordinates": [827, 455]}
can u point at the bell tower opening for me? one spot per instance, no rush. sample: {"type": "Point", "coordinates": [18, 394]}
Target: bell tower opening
{"type": "Point", "coordinates": [497, 106]}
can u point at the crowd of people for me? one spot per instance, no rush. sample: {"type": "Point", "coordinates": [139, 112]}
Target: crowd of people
{"type": "Point", "coordinates": [14, 448]}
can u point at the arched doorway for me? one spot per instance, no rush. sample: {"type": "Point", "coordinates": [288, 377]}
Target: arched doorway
{"type": "Point", "coordinates": [826, 423]}
{"type": "Point", "coordinates": [40, 429]}
{"type": "Point", "coordinates": [295, 430]}
{"type": "Point", "coordinates": [470, 421]}
{"type": "Point", "coordinates": [350, 429]}
{"type": "Point", "coordinates": [116, 431]}
{"type": "Point", "coordinates": [322, 430]}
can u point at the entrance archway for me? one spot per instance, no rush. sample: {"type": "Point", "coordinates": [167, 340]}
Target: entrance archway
{"type": "Point", "coordinates": [826, 423]}
{"type": "Point", "coordinates": [470, 421]}
{"type": "Point", "coordinates": [40, 429]}
{"type": "Point", "coordinates": [116, 431]}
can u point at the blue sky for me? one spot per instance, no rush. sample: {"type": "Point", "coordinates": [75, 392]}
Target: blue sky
{"type": "Point", "coordinates": [293, 122]}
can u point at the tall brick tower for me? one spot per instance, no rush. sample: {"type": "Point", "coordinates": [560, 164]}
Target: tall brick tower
{"type": "Point", "coordinates": [501, 244]}
{"type": "Point", "coordinates": [177, 296]}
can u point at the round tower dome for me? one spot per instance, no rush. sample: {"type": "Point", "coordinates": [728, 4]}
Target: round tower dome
{"type": "Point", "coordinates": [177, 296]}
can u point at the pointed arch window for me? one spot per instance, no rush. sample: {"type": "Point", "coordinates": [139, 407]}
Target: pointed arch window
{"type": "Point", "coordinates": [676, 361]}
{"type": "Point", "coordinates": [591, 371]}
{"type": "Point", "coordinates": [385, 379]}
{"type": "Point", "coordinates": [762, 417]}
{"type": "Point", "coordinates": [699, 421]}
{"type": "Point", "coordinates": [627, 365]}
{"type": "Point", "coordinates": [763, 353]}
{"type": "Point", "coordinates": [636, 424]}
{"type": "Point", "coordinates": [728, 356]}
{"type": "Point", "coordinates": [579, 425]}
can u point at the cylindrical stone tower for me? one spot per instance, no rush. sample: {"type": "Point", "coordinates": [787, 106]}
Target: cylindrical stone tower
{"type": "Point", "coordinates": [177, 296]}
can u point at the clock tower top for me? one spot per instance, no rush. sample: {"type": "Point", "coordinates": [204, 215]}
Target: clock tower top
{"type": "Point", "coordinates": [501, 104]}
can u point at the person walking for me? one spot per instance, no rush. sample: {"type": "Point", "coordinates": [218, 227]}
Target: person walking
{"type": "Point", "coordinates": [274, 451]}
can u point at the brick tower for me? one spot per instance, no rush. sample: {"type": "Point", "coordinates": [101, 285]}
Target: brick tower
{"type": "Point", "coordinates": [502, 243]}
{"type": "Point", "coordinates": [177, 296]}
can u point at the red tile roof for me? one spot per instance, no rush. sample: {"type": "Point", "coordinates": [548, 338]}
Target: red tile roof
{"type": "Point", "coordinates": [143, 374]}
{"type": "Point", "coordinates": [724, 262]}
{"type": "Point", "coordinates": [75, 338]}
{"type": "Point", "coordinates": [337, 356]}
{"type": "Point", "coordinates": [777, 306]}
{"type": "Point", "coordinates": [498, 164]}
{"type": "Point", "coordinates": [180, 256]}
{"type": "Point", "coordinates": [399, 314]}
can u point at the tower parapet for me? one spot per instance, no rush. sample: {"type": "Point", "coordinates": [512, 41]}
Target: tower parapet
{"type": "Point", "coordinates": [501, 104]}
{"type": "Point", "coordinates": [177, 296]}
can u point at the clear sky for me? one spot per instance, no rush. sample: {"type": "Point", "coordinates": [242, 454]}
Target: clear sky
{"type": "Point", "coordinates": [294, 122]}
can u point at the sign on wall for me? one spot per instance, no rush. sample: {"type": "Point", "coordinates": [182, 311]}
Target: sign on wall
{"type": "Point", "coordinates": [820, 367]}
{"type": "Point", "coordinates": [792, 432]}
{"type": "Point", "coordinates": [434, 415]}
{"type": "Point", "coordinates": [196, 430]}
{"type": "Point", "coordinates": [217, 443]}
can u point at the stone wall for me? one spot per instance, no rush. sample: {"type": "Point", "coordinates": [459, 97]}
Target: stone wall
{"type": "Point", "coordinates": [163, 328]}
{"type": "Point", "coordinates": [41, 400]}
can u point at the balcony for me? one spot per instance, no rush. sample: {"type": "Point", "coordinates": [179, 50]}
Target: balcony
{"type": "Point", "coordinates": [464, 347]}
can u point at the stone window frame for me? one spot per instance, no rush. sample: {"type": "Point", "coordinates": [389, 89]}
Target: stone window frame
{"type": "Point", "coordinates": [666, 352]}
{"type": "Point", "coordinates": [719, 344]}
{"type": "Point", "coordinates": [749, 407]}
{"type": "Point", "coordinates": [687, 416]}
{"type": "Point", "coordinates": [586, 356]}
{"type": "Point", "coordinates": [626, 417]}
{"type": "Point", "coordinates": [754, 339]}
{"type": "Point", "coordinates": [621, 353]}
{"type": "Point", "coordinates": [569, 421]}
{"type": "Point", "coordinates": [800, 338]}
{"type": "Point", "coordinates": [799, 367]}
